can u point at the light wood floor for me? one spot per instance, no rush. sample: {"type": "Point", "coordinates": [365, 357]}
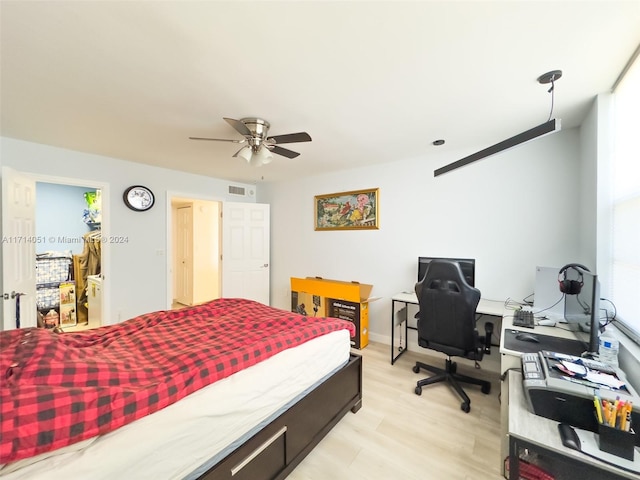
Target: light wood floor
{"type": "Point", "coordinates": [400, 435]}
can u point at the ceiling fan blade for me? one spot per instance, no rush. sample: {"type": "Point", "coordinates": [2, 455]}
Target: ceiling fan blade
{"type": "Point", "coordinates": [239, 126]}
{"type": "Point", "coordinates": [218, 139]}
{"type": "Point", "coordinates": [290, 138]}
{"type": "Point", "coordinates": [284, 152]}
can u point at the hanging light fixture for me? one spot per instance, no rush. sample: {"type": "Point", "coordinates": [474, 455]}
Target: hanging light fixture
{"type": "Point", "coordinates": [263, 155]}
{"type": "Point", "coordinates": [245, 152]}
{"type": "Point", "coordinates": [255, 155]}
{"type": "Point", "coordinates": [546, 128]}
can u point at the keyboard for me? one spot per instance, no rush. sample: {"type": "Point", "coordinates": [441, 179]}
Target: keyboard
{"type": "Point", "coordinates": [523, 318]}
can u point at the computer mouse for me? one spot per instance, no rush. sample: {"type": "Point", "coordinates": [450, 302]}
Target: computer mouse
{"type": "Point", "coordinates": [569, 436]}
{"type": "Point", "coordinates": [527, 337]}
{"type": "Point", "coordinates": [545, 322]}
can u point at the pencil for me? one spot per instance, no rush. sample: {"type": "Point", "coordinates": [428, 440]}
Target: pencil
{"type": "Point", "coordinates": [596, 402]}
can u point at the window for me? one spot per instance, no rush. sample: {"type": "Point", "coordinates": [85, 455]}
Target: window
{"type": "Point", "coordinates": [624, 254]}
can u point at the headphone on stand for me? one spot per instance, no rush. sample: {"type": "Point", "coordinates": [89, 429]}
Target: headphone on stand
{"type": "Point", "coordinates": [571, 287]}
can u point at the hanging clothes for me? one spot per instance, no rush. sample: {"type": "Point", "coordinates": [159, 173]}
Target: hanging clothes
{"type": "Point", "coordinates": [89, 263]}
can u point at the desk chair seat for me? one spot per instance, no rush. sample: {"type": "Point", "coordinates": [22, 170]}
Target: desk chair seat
{"type": "Point", "coordinates": [447, 324]}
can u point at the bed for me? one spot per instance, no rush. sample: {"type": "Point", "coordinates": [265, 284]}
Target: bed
{"type": "Point", "coordinates": [228, 389]}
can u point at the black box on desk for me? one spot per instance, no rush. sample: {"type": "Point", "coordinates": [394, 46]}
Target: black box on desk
{"type": "Point", "coordinates": [616, 441]}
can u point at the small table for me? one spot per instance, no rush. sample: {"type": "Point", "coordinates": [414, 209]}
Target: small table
{"type": "Point", "coordinates": [485, 307]}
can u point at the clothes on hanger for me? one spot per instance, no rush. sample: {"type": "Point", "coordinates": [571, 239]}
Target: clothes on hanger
{"type": "Point", "coordinates": [89, 262]}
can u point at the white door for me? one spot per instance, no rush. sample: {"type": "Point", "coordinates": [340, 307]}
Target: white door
{"type": "Point", "coordinates": [184, 255]}
{"type": "Point", "coordinates": [245, 251]}
{"type": "Point", "coordinates": [18, 250]}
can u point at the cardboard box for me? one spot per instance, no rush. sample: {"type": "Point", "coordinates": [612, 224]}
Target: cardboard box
{"type": "Point", "coordinates": [319, 297]}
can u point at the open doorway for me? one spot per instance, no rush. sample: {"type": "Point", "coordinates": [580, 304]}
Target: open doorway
{"type": "Point", "coordinates": [20, 205]}
{"type": "Point", "coordinates": [68, 256]}
{"type": "Point", "coordinates": [195, 252]}
{"type": "Point", "coordinates": [221, 250]}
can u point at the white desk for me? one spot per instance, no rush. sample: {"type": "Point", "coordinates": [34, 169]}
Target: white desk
{"type": "Point", "coordinates": [540, 435]}
{"type": "Point", "coordinates": [485, 307]}
{"type": "Point", "coordinates": [511, 359]}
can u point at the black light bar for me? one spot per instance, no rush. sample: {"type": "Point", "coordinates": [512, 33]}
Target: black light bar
{"type": "Point", "coordinates": [539, 131]}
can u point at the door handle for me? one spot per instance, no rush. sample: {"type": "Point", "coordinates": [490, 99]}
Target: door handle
{"type": "Point", "coordinates": [13, 294]}
{"type": "Point", "coordinates": [16, 295]}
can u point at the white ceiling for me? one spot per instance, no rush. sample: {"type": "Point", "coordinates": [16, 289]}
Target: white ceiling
{"type": "Point", "coordinates": [371, 82]}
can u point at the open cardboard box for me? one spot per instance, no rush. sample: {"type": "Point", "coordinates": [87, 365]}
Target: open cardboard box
{"type": "Point", "coordinates": [319, 297]}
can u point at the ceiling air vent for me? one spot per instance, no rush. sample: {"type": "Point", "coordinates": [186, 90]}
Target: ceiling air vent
{"type": "Point", "coordinates": [233, 190]}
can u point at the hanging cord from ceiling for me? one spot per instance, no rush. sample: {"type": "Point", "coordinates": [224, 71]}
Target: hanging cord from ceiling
{"type": "Point", "coordinates": [552, 91]}
{"type": "Point", "coordinates": [550, 77]}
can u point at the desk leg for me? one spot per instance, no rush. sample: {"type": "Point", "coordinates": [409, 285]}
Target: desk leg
{"type": "Point", "coordinates": [514, 459]}
{"type": "Point", "coordinates": [401, 348]}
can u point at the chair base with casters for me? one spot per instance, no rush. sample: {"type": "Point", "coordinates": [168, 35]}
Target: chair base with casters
{"type": "Point", "coordinates": [450, 375]}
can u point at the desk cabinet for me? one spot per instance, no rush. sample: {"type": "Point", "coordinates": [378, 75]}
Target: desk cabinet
{"type": "Point", "coordinates": [523, 431]}
{"type": "Point", "coordinates": [540, 438]}
{"type": "Point", "coordinates": [510, 359]}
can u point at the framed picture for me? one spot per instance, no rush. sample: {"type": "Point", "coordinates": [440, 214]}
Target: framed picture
{"type": "Point", "coordinates": [355, 210]}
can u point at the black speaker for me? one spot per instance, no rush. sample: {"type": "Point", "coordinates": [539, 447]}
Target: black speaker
{"type": "Point", "coordinates": [568, 286]}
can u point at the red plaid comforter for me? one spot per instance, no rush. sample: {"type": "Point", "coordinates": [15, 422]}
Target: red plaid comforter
{"type": "Point", "coordinates": [59, 389]}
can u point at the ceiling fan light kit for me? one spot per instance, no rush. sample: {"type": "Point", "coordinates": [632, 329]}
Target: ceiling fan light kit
{"type": "Point", "coordinates": [244, 152]}
{"type": "Point", "coordinates": [550, 126]}
{"type": "Point", "coordinates": [256, 157]}
{"type": "Point", "coordinates": [264, 156]}
{"type": "Point", "coordinates": [260, 148]}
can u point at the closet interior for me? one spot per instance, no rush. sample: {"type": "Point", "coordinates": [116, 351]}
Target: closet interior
{"type": "Point", "coordinates": [68, 257]}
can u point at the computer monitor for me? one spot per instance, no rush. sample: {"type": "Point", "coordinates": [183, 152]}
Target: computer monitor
{"type": "Point", "coordinates": [582, 310]}
{"type": "Point", "coordinates": [467, 265]}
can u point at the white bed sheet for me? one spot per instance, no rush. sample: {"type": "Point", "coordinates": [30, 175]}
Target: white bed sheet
{"type": "Point", "coordinates": [176, 441]}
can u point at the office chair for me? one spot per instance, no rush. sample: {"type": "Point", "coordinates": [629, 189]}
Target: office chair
{"type": "Point", "coordinates": [447, 324]}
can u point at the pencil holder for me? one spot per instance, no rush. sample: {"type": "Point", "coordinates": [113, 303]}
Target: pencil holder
{"type": "Point", "coordinates": [617, 442]}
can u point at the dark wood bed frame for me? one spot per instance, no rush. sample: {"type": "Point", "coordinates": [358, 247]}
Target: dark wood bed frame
{"type": "Point", "coordinates": [274, 451]}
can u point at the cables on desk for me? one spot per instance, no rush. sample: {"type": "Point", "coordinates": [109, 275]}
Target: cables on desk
{"type": "Point", "coordinates": [510, 304]}
{"type": "Point", "coordinates": [503, 376]}
{"type": "Point", "coordinates": [609, 319]}
{"type": "Point", "coordinates": [506, 372]}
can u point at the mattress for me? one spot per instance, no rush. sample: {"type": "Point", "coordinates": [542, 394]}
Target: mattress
{"type": "Point", "coordinates": [186, 438]}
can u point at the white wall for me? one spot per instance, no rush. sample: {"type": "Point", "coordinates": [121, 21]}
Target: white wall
{"type": "Point", "coordinates": [137, 272]}
{"type": "Point", "coordinates": [511, 212]}
{"type": "Point", "coordinates": [60, 215]}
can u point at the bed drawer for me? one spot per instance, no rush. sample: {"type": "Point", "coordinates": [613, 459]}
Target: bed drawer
{"type": "Point", "coordinates": [262, 457]}
{"type": "Point", "coordinates": [275, 451]}
{"type": "Point", "coordinates": [307, 420]}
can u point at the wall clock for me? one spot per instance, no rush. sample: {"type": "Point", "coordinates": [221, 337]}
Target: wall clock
{"type": "Point", "coordinates": [138, 198]}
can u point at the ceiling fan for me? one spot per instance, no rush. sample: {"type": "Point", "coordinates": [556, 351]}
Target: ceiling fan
{"type": "Point", "coordinates": [260, 147]}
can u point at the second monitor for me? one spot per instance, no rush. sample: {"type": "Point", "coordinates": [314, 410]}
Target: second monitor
{"type": "Point", "coordinates": [467, 265]}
